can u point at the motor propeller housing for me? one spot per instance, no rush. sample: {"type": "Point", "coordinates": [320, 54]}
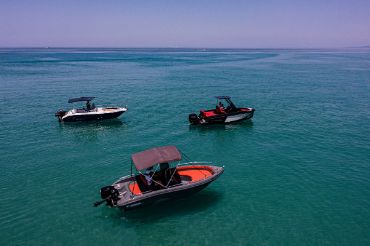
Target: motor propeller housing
{"type": "Point", "coordinates": [110, 195]}
{"type": "Point", "coordinates": [194, 119]}
{"type": "Point", "coordinates": [60, 113]}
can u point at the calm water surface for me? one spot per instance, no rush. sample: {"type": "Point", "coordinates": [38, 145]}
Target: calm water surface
{"type": "Point", "coordinates": [298, 174]}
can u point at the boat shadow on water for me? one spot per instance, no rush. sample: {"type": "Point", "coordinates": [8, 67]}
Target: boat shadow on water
{"type": "Point", "coordinates": [165, 208]}
{"type": "Point", "coordinates": [94, 123]}
{"type": "Point", "coordinates": [218, 127]}
{"type": "Point", "coordinates": [90, 129]}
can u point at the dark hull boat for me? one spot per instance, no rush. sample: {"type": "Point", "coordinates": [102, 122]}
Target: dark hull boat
{"type": "Point", "coordinates": [163, 183]}
{"type": "Point", "coordinates": [90, 112]}
{"type": "Point", "coordinates": [133, 192]}
{"type": "Point", "coordinates": [221, 115]}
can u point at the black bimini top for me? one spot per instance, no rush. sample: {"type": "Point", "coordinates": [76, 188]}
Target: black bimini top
{"type": "Point", "coordinates": [80, 99]}
{"type": "Point", "coordinates": [222, 97]}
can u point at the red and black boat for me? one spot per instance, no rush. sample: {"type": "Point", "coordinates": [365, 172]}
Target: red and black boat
{"type": "Point", "coordinates": [221, 114]}
{"type": "Point", "coordinates": [159, 175]}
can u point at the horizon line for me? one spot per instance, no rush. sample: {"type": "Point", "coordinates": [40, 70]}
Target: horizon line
{"type": "Point", "coordinates": [185, 47]}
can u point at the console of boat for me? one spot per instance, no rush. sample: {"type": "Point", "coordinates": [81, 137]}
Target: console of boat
{"type": "Point", "coordinates": [89, 112]}
{"type": "Point", "coordinates": [159, 175]}
{"type": "Point", "coordinates": [222, 114]}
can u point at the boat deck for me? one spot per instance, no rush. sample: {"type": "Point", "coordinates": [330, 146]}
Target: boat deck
{"type": "Point", "coordinates": [188, 174]}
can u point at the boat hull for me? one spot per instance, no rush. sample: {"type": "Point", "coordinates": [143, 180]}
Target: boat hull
{"type": "Point", "coordinates": [239, 117]}
{"type": "Point", "coordinates": [106, 116]}
{"type": "Point", "coordinates": [226, 118]}
{"type": "Point", "coordinates": [92, 116]}
{"type": "Point", "coordinates": [165, 196]}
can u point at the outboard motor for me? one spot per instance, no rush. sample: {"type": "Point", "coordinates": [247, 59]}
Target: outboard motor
{"type": "Point", "coordinates": [194, 119]}
{"type": "Point", "coordinates": [60, 113]}
{"type": "Point", "coordinates": [110, 195]}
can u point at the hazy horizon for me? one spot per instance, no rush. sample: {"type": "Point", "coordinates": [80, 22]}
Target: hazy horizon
{"type": "Point", "coordinates": [190, 48]}
{"type": "Point", "coordinates": [286, 24]}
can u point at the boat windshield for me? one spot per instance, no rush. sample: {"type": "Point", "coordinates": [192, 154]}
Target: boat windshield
{"type": "Point", "coordinates": [160, 176]}
{"type": "Point", "coordinates": [220, 107]}
{"type": "Point", "coordinates": [88, 107]}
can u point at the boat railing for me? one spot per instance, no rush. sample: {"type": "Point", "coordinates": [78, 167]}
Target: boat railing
{"type": "Point", "coordinates": [109, 106]}
{"type": "Point", "coordinates": [194, 162]}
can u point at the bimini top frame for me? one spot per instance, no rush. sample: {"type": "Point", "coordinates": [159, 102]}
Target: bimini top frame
{"type": "Point", "coordinates": [227, 99]}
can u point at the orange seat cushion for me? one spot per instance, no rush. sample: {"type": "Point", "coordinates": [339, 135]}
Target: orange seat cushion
{"type": "Point", "coordinates": [134, 188]}
{"type": "Point", "coordinates": [195, 173]}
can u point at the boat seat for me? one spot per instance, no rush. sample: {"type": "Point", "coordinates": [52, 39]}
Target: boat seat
{"type": "Point", "coordinates": [208, 113]}
{"type": "Point", "coordinates": [220, 110]}
{"type": "Point", "coordinates": [134, 188]}
{"type": "Point", "coordinates": [157, 182]}
{"type": "Point", "coordinates": [195, 174]}
{"type": "Point", "coordinates": [80, 111]}
{"type": "Point", "coordinates": [172, 172]}
{"type": "Point", "coordinates": [142, 183]}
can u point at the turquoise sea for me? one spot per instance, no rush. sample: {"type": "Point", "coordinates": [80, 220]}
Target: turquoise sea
{"type": "Point", "coordinates": [297, 174]}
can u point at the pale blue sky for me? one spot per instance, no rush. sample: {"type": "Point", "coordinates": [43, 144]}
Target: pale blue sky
{"type": "Point", "coordinates": [186, 23]}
